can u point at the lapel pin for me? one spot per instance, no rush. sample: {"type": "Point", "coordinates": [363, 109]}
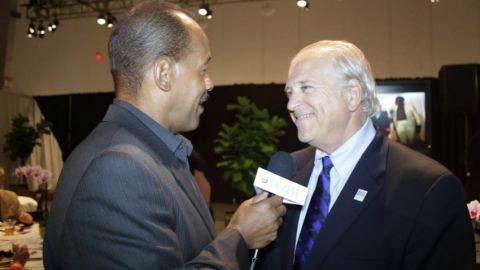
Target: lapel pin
{"type": "Point", "coordinates": [360, 195]}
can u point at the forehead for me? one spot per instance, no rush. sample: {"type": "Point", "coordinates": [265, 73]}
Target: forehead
{"type": "Point", "coordinates": [199, 44]}
{"type": "Point", "coordinates": [198, 39]}
{"type": "Point", "coordinates": [308, 66]}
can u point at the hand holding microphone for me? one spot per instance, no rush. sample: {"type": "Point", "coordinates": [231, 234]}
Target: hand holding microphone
{"type": "Point", "coordinates": [259, 218]}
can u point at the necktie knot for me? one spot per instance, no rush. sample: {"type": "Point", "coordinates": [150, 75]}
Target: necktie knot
{"type": "Point", "coordinates": [327, 164]}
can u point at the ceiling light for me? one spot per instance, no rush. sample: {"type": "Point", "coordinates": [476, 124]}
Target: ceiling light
{"type": "Point", "coordinates": [111, 20]}
{"type": "Point", "coordinates": [109, 23]}
{"type": "Point", "coordinates": [302, 3]}
{"type": "Point", "coordinates": [31, 28]}
{"type": "Point", "coordinates": [41, 31]}
{"type": "Point", "coordinates": [54, 24]}
{"type": "Point", "coordinates": [203, 10]}
{"type": "Point", "coordinates": [101, 19]}
{"type": "Point", "coordinates": [209, 14]}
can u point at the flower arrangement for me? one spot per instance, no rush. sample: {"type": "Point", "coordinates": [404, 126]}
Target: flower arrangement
{"type": "Point", "coordinates": [41, 175]}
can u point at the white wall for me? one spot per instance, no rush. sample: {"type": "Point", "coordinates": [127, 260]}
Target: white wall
{"type": "Point", "coordinates": [402, 38]}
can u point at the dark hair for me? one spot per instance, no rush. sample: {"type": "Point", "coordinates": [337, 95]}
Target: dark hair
{"type": "Point", "coordinates": [399, 100]}
{"type": "Point", "coordinates": [149, 30]}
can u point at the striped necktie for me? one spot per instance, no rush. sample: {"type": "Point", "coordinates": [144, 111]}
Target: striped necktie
{"type": "Point", "coordinates": [316, 214]}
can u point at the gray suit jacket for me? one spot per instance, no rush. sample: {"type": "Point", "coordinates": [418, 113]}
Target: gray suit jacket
{"type": "Point", "coordinates": [123, 201]}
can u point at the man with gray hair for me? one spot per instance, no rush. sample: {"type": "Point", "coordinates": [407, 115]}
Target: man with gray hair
{"type": "Point", "coordinates": [126, 198]}
{"type": "Point", "coordinates": [372, 204]}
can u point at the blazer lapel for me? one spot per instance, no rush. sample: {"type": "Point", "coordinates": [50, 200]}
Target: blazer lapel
{"type": "Point", "coordinates": [135, 126]}
{"type": "Point", "coordinates": [200, 205]}
{"type": "Point", "coordinates": [346, 208]}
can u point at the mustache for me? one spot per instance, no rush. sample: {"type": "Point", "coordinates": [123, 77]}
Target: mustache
{"type": "Point", "coordinates": [204, 97]}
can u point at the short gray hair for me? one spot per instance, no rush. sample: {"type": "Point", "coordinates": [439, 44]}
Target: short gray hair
{"type": "Point", "coordinates": [148, 31]}
{"type": "Point", "coordinates": [350, 63]}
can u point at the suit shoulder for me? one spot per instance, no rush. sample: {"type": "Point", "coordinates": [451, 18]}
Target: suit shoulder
{"type": "Point", "coordinates": [407, 159]}
{"type": "Point", "coordinates": [300, 156]}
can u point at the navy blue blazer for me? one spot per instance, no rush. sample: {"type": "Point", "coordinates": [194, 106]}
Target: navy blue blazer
{"type": "Point", "coordinates": [413, 217]}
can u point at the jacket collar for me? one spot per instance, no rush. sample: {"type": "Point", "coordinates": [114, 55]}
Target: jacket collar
{"type": "Point", "coordinates": [123, 117]}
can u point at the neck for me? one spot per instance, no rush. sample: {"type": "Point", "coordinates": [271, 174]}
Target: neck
{"type": "Point", "coordinates": [148, 103]}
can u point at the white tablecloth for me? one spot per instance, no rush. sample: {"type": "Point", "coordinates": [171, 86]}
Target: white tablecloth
{"type": "Point", "coordinates": [29, 237]}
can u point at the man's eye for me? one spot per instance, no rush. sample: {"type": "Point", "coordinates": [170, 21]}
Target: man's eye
{"type": "Point", "coordinates": [305, 88]}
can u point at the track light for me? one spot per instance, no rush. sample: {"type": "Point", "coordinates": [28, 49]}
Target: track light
{"type": "Point", "coordinates": [41, 31]}
{"type": "Point", "coordinates": [101, 19]}
{"type": "Point", "coordinates": [31, 32]}
{"type": "Point", "coordinates": [54, 24]}
{"type": "Point", "coordinates": [111, 20]}
{"type": "Point", "coordinates": [302, 3]}
{"type": "Point", "coordinates": [203, 10]}
{"type": "Point", "coordinates": [31, 28]}
{"type": "Point", "coordinates": [209, 14]}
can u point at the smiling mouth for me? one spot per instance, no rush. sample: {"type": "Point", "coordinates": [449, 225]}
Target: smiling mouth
{"type": "Point", "coordinates": [303, 116]}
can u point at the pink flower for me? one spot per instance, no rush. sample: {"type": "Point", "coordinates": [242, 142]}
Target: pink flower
{"type": "Point", "coordinates": [27, 171]}
{"type": "Point", "coordinates": [43, 176]}
{"type": "Point", "coordinates": [36, 170]}
{"type": "Point", "coordinates": [18, 172]}
{"type": "Point", "coordinates": [474, 209]}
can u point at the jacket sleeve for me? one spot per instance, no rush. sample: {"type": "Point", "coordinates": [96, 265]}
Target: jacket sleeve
{"type": "Point", "coordinates": [443, 236]}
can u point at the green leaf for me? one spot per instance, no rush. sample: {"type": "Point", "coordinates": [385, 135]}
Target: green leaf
{"type": "Point", "coordinates": [22, 138]}
{"type": "Point", "coordinates": [248, 143]}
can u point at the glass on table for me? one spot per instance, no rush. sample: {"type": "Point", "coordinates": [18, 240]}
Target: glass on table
{"type": "Point", "coordinates": [9, 226]}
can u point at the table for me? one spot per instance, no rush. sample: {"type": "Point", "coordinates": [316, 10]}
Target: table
{"type": "Point", "coordinates": [32, 239]}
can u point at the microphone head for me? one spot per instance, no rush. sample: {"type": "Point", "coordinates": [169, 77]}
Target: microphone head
{"type": "Point", "coordinates": [281, 163]}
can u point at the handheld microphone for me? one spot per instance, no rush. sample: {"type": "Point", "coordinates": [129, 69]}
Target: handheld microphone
{"type": "Point", "coordinates": [281, 163]}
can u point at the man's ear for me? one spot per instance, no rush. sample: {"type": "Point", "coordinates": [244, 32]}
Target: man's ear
{"type": "Point", "coordinates": [354, 94]}
{"type": "Point", "coordinates": [162, 73]}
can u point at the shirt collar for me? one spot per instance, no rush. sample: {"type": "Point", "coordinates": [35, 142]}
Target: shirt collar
{"type": "Point", "coordinates": [348, 154]}
{"type": "Point", "coordinates": [178, 144]}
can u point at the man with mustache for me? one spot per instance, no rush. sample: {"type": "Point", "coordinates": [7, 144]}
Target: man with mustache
{"type": "Point", "coordinates": [126, 198]}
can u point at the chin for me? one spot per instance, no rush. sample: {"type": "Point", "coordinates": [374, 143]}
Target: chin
{"type": "Point", "coordinates": [194, 124]}
{"type": "Point", "coordinates": [303, 133]}
{"type": "Point", "coordinates": [303, 138]}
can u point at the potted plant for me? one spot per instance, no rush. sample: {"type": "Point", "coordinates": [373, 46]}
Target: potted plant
{"type": "Point", "coordinates": [248, 143]}
{"type": "Point", "coordinates": [23, 137]}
